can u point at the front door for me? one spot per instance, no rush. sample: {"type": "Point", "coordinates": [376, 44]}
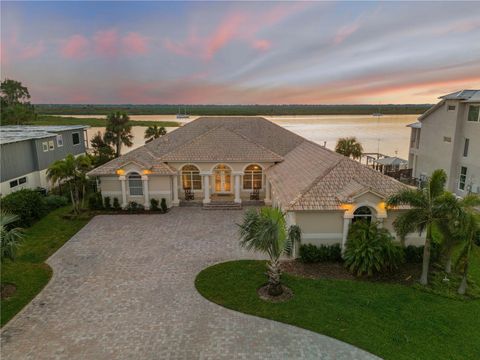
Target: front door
{"type": "Point", "coordinates": [222, 179]}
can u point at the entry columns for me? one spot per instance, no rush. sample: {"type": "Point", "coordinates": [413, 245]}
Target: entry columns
{"type": "Point", "coordinates": [175, 201]}
{"type": "Point", "coordinates": [268, 199]}
{"type": "Point", "coordinates": [206, 187]}
{"type": "Point", "coordinates": [145, 192]}
{"type": "Point", "coordinates": [123, 181]}
{"type": "Point", "coordinates": [347, 219]}
{"type": "Point", "coordinates": [237, 199]}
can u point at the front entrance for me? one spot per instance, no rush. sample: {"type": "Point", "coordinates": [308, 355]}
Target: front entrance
{"type": "Point", "coordinates": [223, 179]}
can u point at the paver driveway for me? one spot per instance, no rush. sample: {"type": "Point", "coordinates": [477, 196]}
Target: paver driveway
{"type": "Point", "coordinates": [123, 288]}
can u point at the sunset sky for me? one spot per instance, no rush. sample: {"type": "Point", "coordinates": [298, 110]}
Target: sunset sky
{"type": "Point", "coordinates": [241, 53]}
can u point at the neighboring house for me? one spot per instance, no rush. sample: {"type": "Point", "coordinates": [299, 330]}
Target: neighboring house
{"type": "Point", "coordinates": [220, 159]}
{"type": "Point", "coordinates": [27, 152]}
{"type": "Point", "coordinates": [447, 136]}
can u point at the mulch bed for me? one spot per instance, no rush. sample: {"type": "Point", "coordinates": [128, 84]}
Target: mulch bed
{"type": "Point", "coordinates": [7, 290]}
{"type": "Point", "coordinates": [406, 274]}
{"type": "Point", "coordinates": [285, 296]}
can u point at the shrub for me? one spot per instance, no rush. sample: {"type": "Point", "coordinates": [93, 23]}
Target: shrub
{"type": "Point", "coordinates": [371, 249]}
{"type": "Point", "coordinates": [116, 204]}
{"type": "Point", "coordinates": [107, 203]}
{"type": "Point", "coordinates": [95, 201]}
{"type": "Point", "coordinates": [28, 204]}
{"type": "Point", "coordinates": [53, 202]}
{"type": "Point", "coordinates": [154, 204]}
{"type": "Point", "coordinates": [312, 254]}
{"type": "Point", "coordinates": [134, 207]}
{"type": "Point", "coordinates": [163, 205]}
{"type": "Point", "coordinates": [414, 254]}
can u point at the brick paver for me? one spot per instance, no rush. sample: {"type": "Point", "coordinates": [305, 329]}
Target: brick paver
{"type": "Point", "coordinates": [123, 288]}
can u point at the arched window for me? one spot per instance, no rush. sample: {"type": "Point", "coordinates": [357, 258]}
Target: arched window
{"type": "Point", "coordinates": [135, 185]}
{"type": "Point", "coordinates": [252, 178]}
{"type": "Point", "coordinates": [362, 213]}
{"type": "Point", "coordinates": [191, 178]}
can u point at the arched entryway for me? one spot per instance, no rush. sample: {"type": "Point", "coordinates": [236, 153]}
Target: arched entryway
{"type": "Point", "coordinates": [363, 213]}
{"type": "Point", "coordinates": [222, 175]}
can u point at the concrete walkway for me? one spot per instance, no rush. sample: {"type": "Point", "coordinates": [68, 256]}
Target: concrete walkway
{"type": "Point", "coordinates": [123, 288]}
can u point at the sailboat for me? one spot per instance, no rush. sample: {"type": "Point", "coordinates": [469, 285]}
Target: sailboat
{"type": "Point", "coordinates": [184, 115]}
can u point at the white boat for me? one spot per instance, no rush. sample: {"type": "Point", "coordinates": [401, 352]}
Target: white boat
{"type": "Point", "coordinates": [184, 115]}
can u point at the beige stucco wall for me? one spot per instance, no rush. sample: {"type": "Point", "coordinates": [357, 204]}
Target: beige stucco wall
{"type": "Point", "coordinates": [320, 227]}
{"type": "Point", "coordinates": [411, 239]}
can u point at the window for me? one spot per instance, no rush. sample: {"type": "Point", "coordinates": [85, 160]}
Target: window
{"type": "Point", "coordinates": [447, 139]}
{"type": "Point", "coordinates": [252, 178]}
{"type": "Point", "coordinates": [51, 146]}
{"type": "Point", "coordinates": [191, 178]}
{"type": "Point", "coordinates": [76, 138]}
{"type": "Point", "coordinates": [465, 147]}
{"type": "Point", "coordinates": [463, 178]}
{"type": "Point", "coordinates": [135, 184]}
{"type": "Point", "coordinates": [45, 146]}
{"type": "Point", "coordinates": [59, 140]}
{"type": "Point", "coordinates": [363, 213]}
{"type": "Point", "coordinates": [474, 113]}
{"type": "Point", "coordinates": [22, 180]}
{"type": "Point", "coordinates": [451, 107]}
{"type": "Point", "coordinates": [13, 183]}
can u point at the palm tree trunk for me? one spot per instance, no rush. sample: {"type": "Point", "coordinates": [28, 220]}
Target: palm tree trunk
{"type": "Point", "coordinates": [448, 264]}
{"type": "Point", "coordinates": [463, 284]}
{"type": "Point", "coordinates": [119, 144]}
{"type": "Point", "coordinates": [83, 196]}
{"type": "Point", "coordinates": [426, 257]}
{"type": "Point", "coordinates": [72, 197]}
{"type": "Point", "coordinates": [274, 273]}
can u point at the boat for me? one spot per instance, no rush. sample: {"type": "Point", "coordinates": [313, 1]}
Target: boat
{"type": "Point", "coordinates": [184, 115]}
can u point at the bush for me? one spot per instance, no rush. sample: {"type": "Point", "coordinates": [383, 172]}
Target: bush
{"type": "Point", "coordinates": [95, 201]}
{"type": "Point", "coordinates": [116, 204]}
{"type": "Point", "coordinates": [28, 204]}
{"type": "Point", "coordinates": [134, 207]}
{"type": "Point", "coordinates": [154, 204]}
{"type": "Point", "coordinates": [414, 254]}
{"type": "Point", "coordinates": [371, 249]}
{"type": "Point", "coordinates": [53, 202]}
{"type": "Point", "coordinates": [107, 203]}
{"type": "Point", "coordinates": [312, 254]}
{"type": "Point", "coordinates": [163, 205]}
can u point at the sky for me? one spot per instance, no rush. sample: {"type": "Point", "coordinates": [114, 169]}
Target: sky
{"type": "Point", "coordinates": [240, 52]}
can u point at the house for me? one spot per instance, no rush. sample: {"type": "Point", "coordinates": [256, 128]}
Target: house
{"type": "Point", "coordinates": [28, 151]}
{"type": "Point", "coordinates": [447, 136]}
{"type": "Point", "coordinates": [229, 159]}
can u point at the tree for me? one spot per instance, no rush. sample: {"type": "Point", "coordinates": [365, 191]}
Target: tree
{"type": "Point", "coordinates": [118, 131]}
{"type": "Point", "coordinates": [349, 147]}
{"type": "Point", "coordinates": [266, 231]}
{"type": "Point", "coordinates": [10, 236]}
{"type": "Point", "coordinates": [71, 171]}
{"type": "Point", "coordinates": [470, 227]}
{"type": "Point", "coordinates": [15, 106]}
{"type": "Point", "coordinates": [426, 208]}
{"type": "Point", "coordinates": [102, 151]}
{"type": "Point", "coordinates": [154, 132]}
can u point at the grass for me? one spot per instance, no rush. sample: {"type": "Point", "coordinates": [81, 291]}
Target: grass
{"type": "Point", "coordinates": [94, 122]}
{"type": "Point", "coordinates": [29, 272]}
{"type": "Point", "coordinates": [388, 320]}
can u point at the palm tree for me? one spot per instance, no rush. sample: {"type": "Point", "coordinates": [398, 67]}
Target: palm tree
{"type": "Point", "coordinates": [426, 209]}
{"type": "Point", "coordinates": [266, 231]}
{"type": "Point", "coordinates": [349, 147]}
{"type": "Point", "coordinates": [154, 132]}
{"type": "Point", "coordinates": [71, 171]}
{"type": "Point", "coordinates": [118, 131]}
{"type": "Point", "coordinates": [9, 236]}
{"type": "Point", "coordinates": [470, 227]}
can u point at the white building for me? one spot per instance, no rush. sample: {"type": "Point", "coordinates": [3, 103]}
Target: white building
{"type": "Point", "coordinates": [447, 136]}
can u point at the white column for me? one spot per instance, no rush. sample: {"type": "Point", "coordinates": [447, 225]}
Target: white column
{"type": "Point", "coordinates": [145, 192]}
{"type": "Point", "coordinates": [268, 199]}
{"type": "Point", "coordinates": [123, 180]}
{"type": "Point", "coordinates": [206, 188]}
{"type": "Point", "coordinates": [175, 201]}
{"type": "Point", "coordinates": [238, 200]}
{"type": "Point", "coordinates": [346, 225]}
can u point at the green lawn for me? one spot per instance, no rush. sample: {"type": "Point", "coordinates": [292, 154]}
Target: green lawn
{"type": "Point", "coordinates": [94, 122]}
{"type": "Point", "coordinates": [28, 272]}
{"type": "Point", "coordinates": [391, 321]}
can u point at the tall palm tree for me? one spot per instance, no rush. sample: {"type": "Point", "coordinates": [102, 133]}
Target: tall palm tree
{"type": "Point", "coordinates": [470, 227]}
{"type": "Point", "coordinates": [154, 132]}
{"type": "Point", "coordinates": [266, 231]}
{"type": "Point", "coordinates": [426, 209]}
{"type": "Point", "coordinates": [118, 131]}
{"type": "Point", "coordinates": [349, 147]}
{"type": "Point", "coordinates": [9, 236]}
{"type": "Point", "coordinates": [71, 171]}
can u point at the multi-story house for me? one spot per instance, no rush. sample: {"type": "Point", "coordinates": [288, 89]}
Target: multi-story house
{"type": "Point", "coordinates": [447, 136]}
{"type": "Point", "coordinates": [27, 152]}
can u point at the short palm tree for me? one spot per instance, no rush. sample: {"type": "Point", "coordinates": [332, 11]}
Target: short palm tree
{"type": "Point", "coordinates": [71, 171]}
{"type": "Point", "coordinates": [10, 236]}
{"type": "Point", "coordinates": [266, 231]}
{"type": "Point", "coordinates": [426, 208]}
{"type": "Point", "coordinates": [154, 132]}
{"type": "Point", "coordinates": [470, 228]}
{"type": "Point", "coordinates": [118, 131]}
{"type": "Point", "coordinates": [349, 147]}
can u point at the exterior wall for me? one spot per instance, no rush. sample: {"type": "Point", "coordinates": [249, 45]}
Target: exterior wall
{"type": "Point", "coordinates": [160, 187]}
{"type": "Point", "coordinates": [320, 227]}
{"type": "Point", "coordinates": [17, 160]}
{"type": "Point", "coordinates": [415, 239]}
{"type": "Point", "coordinates": [33, 182]}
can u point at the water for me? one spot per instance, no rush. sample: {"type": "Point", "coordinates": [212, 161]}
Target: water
{"type": "Point", "coordinates": [387, 134]}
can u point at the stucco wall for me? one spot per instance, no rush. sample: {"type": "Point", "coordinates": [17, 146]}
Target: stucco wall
{"type": "Point", "coordinates": [411, 239]}
{"type": "Point", "coordinates": [320, 227]}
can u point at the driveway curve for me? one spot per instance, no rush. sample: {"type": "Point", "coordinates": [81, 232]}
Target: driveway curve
{"type": "Point", "coordinates": [123, 288]}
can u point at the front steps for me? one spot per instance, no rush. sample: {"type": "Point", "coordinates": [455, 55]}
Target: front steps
{"type": "Point", "coordinates": [222, 205]}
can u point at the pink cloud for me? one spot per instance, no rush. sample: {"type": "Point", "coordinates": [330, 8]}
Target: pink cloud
{"type": "Point", "coordinates": [345, 32]}
{"type": "Point", "coordinates": [262, 45]}
{"type": "Point", "coordinates": [227, 30]}
{"type": "Point", "coordinates": [106, 42]}
{"type": "Point", "coordinates": [134, 43]}
{"type": "Point", "coordinates": [31, 51]}
{"type": "Point", "coordinates": [75, 47]}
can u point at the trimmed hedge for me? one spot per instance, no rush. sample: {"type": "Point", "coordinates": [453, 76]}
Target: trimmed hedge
{"type": "Point", "coordinates": [53, 202]}
{"type": "Point", "coordinates": [28, 204]}
{"type": "Point", "coordinates": [311, 254]}
{"type": "Point", "coordinates": [414, 254]}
